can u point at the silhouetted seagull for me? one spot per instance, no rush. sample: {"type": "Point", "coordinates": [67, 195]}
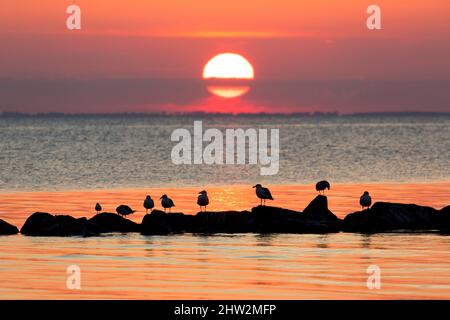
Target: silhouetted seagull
{"type": "Point", "coordinates": [203, 200]}
{"type": "Point", "coordinates": [124, 210]}
{"type": "Point", "coordinates": [148, 204]}
{"type": "Point", "coordinates": [322, 185]}
{"type": "Point", "coordinates": [166, 202]}
{"type": "Point", "coordinates": [263, 193]}
{"type": "Point", "coordinates": [98, 207]}
{"type": "Point", "coordinates": [366, 200]}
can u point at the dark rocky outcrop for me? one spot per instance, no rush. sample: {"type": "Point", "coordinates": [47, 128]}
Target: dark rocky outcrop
{"type": "Point", "coordinates": [155, 223]}
{"type": "Point", "coordinates": [264, 219]}
{"type": "Point", "coordinates": [445, 210]}
{"type": "Point", "coordinates": [316, 218]}
{"type": "Point", "coordinates": [444, 219]}
{"type": "Point", "coordinates": [111, 222]}
{"type": "Point", "coordinates": [180, 222]}
{"type": "Point", "coordinates": [45, 224]}
{"type": "Point", "coordinates": [224, 221]}
{"type": "Point", "coordinates": [160, 223]}
{"type": "Point", "coordinates": [318, 210]}
{"type": "Point", "coordinates": [385, 216]}
{"type": "Point", "coordinates": [7, 229]}
{"type": "Point", "coordinates": [273, 219]}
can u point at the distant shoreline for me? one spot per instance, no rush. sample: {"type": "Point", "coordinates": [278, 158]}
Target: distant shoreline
{"type": "Point", "coordinates": [213, 114]}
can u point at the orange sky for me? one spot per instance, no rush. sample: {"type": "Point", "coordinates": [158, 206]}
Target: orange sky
{"type": "Point", "coordinates": [235, 17]}
{"type": "Point", "coordinates": [324, 40]}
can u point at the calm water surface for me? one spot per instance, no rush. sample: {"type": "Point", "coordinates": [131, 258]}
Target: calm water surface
{"type": "Point", "coordinates": [90, 152]}
{"type": "Point", "coordinates": [227, 266]}
{"type": "Point", "coordinates": [101, 154]}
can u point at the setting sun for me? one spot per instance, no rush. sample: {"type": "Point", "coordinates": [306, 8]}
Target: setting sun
{"type": "Point", "coordinates": [228, 66]}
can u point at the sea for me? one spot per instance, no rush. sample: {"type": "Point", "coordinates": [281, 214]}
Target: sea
{"type": "Point", "coordinates": [64, 163]}
{"type": "Point", "coordinates": [63, 152]}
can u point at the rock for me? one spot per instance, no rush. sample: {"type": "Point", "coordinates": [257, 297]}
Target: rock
{"type": "Point", "coordinates": [385, 216]}
{"type": "Point", "coordinates": [7, 229]}
{"type": "Point", "coordinates": [274, 219]}
{"type": "Point", "coordinates": [160, 223]}
{"type": "Point", "coordinates": [111, 222]}
{"type": "Point", "coordinates": [262, 219]}
{"type": "Point", "coordinates": [45, 224]}
{"type": "Point", "coordinates": [37, 223]}
{"type": "Point", "coordinates": [224, 221]}
{"type": "Point", "coordinates": [155, 223]}
{"type": "Point", "coordinates": [445, 210]}
{"type": "Point", "coordinates": [318, 210]}
{"type": "Point", "coordinates": [316, 218]}
{"type": "Point", "coordinates": [444, 219]}
{"type": "Point", "coordinates": [279, 220]}
{"type": "Point", "coordinates": [180, 222]}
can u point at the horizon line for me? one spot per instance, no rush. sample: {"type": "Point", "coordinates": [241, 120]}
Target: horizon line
{"type": "Point", "coordinates": [10, 114]}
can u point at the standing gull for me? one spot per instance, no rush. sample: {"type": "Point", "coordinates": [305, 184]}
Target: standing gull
{"type": "Point", "coordinates": [203, 200]}
{"type": "Point", "coordinates": [322, 185]}
{"type": "Point", "coordinates": [124, 210]}
{"type": "Point", "coordinates": [366, 200]}
{"type": "Point", "coordinates": [98, 207]}
{"type": "Point", "coordinates": [166, 202]}
{"type": "Point", "coordinates": [263, 193]}
{"type": "Point", "coordinates": [148, 204]}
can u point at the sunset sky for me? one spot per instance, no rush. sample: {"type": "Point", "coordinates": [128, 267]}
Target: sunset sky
{"type": "Point", "coordinates": [148, 56]}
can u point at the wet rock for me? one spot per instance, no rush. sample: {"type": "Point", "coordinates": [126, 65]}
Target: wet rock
{"type": "Point", "coordinates": [279, 220]}
{"type": "Point", "coordinates": [224, 221]}
{"type": "Point", "coordinates": [384, 216]}
{"type": "Point", "coordinates": [111, 222]}
{"type": "Point", "coordinates": [444, 219]}
{"type": "Point", "coordinates": [318, 210]}
{"type": "Point", "coordinates": [180, 222]}
{"type": "Point", "coordinates": [7, 229]}
{"type": "Point", "coordinates": [160, 223]}
{"type": "Point", "coordinates": [274, 219]}
{"type": "Point", "coordinates": [445, 210]}
{"type": "Point", "coordinates": [45, 224]}
{"type": "Point", "coordinates": [155, 223]}
{"type": "Point", "coordinates": [37, 223]}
